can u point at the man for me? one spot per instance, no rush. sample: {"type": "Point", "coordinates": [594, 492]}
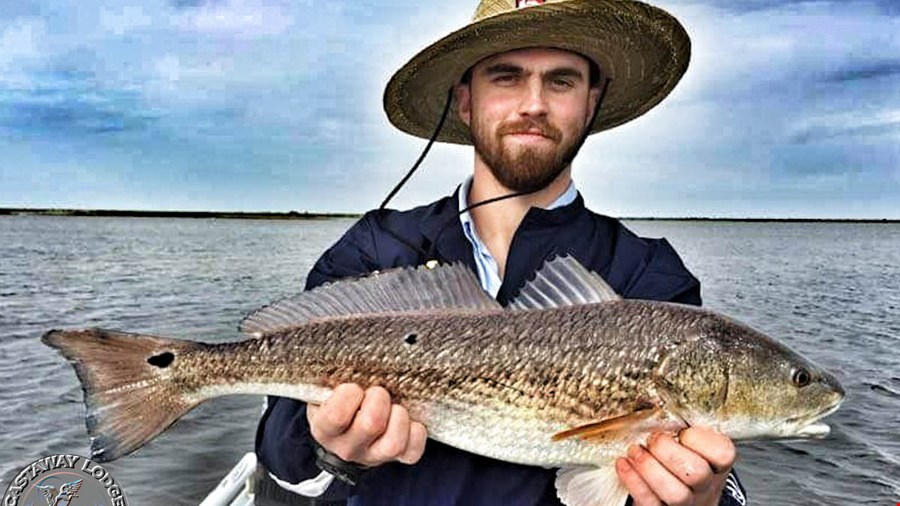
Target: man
{"type": "Point", "coordinates": [526, 81]}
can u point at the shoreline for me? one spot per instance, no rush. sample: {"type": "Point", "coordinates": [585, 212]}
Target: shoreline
{"type": "Point", "coordinates": [295, 215]}
{"type": "Point", "coordinates": [121, 213]}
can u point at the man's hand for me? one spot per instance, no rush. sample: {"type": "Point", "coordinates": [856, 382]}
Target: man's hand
{"type": "Point", "coordinates": [365, 428]}
{"type": "Point", "coordinates": [689, 473]}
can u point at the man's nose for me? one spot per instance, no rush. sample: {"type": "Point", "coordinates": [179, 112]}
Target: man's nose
{"type": "Point", "coordinates": [533, 100]}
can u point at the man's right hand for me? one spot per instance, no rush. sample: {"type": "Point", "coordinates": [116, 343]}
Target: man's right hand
{"type": "Point", "coordinates": [365, 428]}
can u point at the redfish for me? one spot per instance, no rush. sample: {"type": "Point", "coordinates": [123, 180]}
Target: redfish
{"type": "Point", "coordinates": [567, 376]}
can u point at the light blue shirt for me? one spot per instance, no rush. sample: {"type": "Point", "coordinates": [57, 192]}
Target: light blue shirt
{"type": "Point", "coordinates": [488, 272]}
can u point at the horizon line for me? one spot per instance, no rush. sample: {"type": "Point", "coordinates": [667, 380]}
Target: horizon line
{"type": "Point", "coordinates": [306, 215]}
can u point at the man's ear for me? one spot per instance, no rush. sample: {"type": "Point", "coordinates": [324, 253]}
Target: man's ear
{"type": "Point", "coordinates": [463, 99]}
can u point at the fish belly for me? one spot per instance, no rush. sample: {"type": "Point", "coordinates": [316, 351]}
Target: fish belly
{"type": "Point", "coordinates": [506, 433]}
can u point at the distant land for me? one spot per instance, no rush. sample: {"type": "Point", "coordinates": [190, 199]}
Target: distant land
{"type": "Point", "coordinates": [121, 213]}
{"type": "Point", "coordinates": [296, 215]}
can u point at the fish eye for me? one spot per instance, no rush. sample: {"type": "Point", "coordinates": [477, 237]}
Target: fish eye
{"type": "Point", "coordinates": [801, 377]}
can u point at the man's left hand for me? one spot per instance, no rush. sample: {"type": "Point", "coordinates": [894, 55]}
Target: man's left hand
{"type": "Point", "coordinates": [688, 472]}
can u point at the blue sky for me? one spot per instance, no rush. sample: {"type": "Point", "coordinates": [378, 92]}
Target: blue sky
{"type": "Point", "coordinates": [789, 109]}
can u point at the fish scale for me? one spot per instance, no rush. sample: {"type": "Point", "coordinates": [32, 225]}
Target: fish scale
{"type": "Point", "coordinates": [547, 381]}
{"type": "Point", "coordinates": [518, 359]}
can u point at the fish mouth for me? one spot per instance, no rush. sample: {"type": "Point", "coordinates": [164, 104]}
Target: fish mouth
{"type": "Point", "coordinates": [814, 431]}
{"type": "Point", "coordinates": [808, 426]}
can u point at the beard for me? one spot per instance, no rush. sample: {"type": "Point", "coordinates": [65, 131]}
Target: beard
{"type": "Point", "coordinates": [524, 168]}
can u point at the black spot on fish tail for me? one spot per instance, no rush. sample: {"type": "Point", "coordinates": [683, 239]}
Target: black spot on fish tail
{"type": "Point", "coordinates": [118, 419]}
{"type": "Point", "coordinates": [162, 360]}
{"type": "Point", "coordinates": [411, 338]}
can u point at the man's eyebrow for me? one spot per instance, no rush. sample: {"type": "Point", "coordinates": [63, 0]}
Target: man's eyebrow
{"type": "Point", "coordinates": [565, 72]}
{"type": "Point", "coordinates": [503, 68]}
{"type": "Point", "coordinates": [509, 68]}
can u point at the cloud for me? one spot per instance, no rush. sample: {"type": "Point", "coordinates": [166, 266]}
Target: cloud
{"type": "Point", "coordinates": [172, 70]}
{"type": "Point", "coordinates": [11, 10]}
{"type": "Point", "coordinates": [67, 103]}
{"type": "Point", "coordinates": [19, 8]}
{"type": "Point", "coordinates": [865, 71]}
{"type": "Point", "coordinates": [125, 19]}
{"type": "Point", "coordinates": [783, 51]}
{"type": "Point", "coordinates": [889, 129]}
{"type": "Point", "coordinates": [72, 116]}
{"type": "Point", "coordinates": [887, 7]}
{"type": "Point", "coordinates": [237, 18]}
{"type": "Point", "coordinates": [21, 41]}
{"type": "Point", "coordinates": [263, 103]}
{"type": "Point", "coordinates": [190, 4]}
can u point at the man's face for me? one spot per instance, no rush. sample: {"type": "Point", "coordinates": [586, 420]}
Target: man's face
{"type": "Point", "coordinates": [527, 110]}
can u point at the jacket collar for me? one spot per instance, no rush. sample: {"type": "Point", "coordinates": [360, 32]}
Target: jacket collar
{"type": "Point", "coordinates": [441, 226]}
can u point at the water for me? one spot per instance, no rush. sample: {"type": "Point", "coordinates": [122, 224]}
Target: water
{"type": "Point", "coordinates": [831, 291]}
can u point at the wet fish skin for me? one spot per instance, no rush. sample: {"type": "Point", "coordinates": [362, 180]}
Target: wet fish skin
{"type": "Point", "coordinates": [612, 359]}
{"type": "Point", "coordinates": [489, 380]}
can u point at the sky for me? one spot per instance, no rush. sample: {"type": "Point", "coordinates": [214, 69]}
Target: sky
{"type": "Point", "coordinates": [789, 108]}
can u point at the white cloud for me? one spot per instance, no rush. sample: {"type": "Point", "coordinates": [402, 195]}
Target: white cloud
{"type": "Point", "coordinates": [847, 120]}
{"type": "Point", "coordinates": [236, 18]}
{"type": "Point", "coordinates": [124, 20]}
{"type": "Point", "coordinates": [750, 53]}
{"type": "Point", "coordinates": [20, 41]}
{"type": "Point", "coordinates": [168, 68]}
{"type": "Point", "coordinates": [172, 69]}
{"type": "Point", "coordinates": [295, 87]}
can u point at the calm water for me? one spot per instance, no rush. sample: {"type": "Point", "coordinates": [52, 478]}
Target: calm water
{"type": "Point", "coordinates": [831, 291]}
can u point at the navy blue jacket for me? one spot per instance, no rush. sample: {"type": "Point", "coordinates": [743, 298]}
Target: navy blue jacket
{"type": "Point", "coordinates": [634, 267]}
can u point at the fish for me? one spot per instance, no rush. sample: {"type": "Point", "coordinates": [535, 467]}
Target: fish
{"type": "Point", "coordinates": [568, 375]}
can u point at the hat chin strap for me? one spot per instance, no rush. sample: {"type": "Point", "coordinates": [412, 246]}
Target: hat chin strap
{"type": "Point", "coordinates": [434, 136]}
{"type": "Point", "coordinates": [431, 253]}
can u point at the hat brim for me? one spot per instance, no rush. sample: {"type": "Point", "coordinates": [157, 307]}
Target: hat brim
{"type": "Point", "coordinates": [643, 49]}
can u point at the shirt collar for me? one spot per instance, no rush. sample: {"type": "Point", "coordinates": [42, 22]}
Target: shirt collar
{"type": "Point", "coordinates": [451, 243]}
{"type": "Point", "coordinates": [485, 263]}
{"type": "Point", "coordinates": [565, 199]}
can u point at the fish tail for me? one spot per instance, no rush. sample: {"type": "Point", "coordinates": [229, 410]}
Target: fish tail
{"type": "Point", "coordinates": [128, 385]}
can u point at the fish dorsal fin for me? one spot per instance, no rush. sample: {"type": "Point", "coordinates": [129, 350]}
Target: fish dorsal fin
{"type": "Point", "coordinates": [404, 289]}
{"type": "Point", "coordinates": [563, 282]}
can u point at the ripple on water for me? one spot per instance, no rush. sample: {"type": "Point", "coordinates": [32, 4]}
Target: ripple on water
{"type": "Point", "coordinates": [883, 390]}
{"type": "Point", "coordinates": [827, 290]}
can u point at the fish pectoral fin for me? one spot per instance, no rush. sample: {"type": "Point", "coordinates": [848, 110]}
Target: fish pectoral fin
{"type": "Point", "coordinates": [608, 429]}
{"type": "Point", "coordinates": [590, 486]}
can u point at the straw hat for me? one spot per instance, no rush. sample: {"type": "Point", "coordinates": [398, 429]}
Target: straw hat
{"type": "Point", "coordinates": [643, 49]}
